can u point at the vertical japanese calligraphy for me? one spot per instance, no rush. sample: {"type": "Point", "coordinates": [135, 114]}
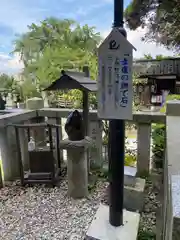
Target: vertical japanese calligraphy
{"type": "Point", "coordinates": [124, 83]}
{"type": "Point", "coordinates": [103, 87]}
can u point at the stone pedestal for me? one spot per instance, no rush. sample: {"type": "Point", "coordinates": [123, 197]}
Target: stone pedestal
{"type": "Point", "coordinates": [39, 132]}
{"type": "Point", "coordinates": [95, 153]}
{"type": "Point", "coordinates": [100, 228]}
{"type": "Point", "coordinates": [77, 166]}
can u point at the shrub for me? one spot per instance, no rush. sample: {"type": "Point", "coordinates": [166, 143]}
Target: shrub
{"type": "Point", "coordinates": [130, 159]}
{"type": "Point", "coordinates": [158, 146]}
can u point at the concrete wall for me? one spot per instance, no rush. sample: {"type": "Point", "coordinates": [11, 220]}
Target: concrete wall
{"type": "Point", "coordinates": [172, 173]}
{"type": "Point", "coordinates": [144, 120]}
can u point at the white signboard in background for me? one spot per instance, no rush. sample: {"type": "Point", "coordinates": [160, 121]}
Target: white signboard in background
{"type": "Point", "coordinates": [115, 77]}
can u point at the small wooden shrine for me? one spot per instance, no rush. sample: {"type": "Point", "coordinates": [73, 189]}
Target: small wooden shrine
{"type": "Point", "coordinates": [43, 163]}
{"type": "Point", "coordinates": [161, 77]}
{"type": "Point", "coordinates": [76, 80]}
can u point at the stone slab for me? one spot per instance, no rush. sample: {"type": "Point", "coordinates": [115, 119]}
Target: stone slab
{"type": "Point", "coordinates": [175, 179]}
{"type": "Point", "coordinates": [129, 174]}
{"type": "Point", "coordinates": [172, 108]}
{"type": "Point", "coordinates": [100, 228]}
{"type": "Point", "coordinates": [134, 195]}
{"type": "Point", "coordinates": [35, 103]}
{"type": "Point", "coordinates": [173, 143]}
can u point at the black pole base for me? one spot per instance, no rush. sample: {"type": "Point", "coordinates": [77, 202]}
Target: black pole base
{"type": "Point", "coordinates": [116, 171]}
{"type": "Point", "coordinates": [115, 218]}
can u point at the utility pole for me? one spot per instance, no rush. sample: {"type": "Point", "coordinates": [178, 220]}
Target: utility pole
{"type": "Point", "coordinates": [117, 145]}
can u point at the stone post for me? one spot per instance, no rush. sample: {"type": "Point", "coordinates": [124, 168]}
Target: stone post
{"type": "Point", "coordinates": [95, 153]}
{"type": "Point", "coordinates": [59, 122]}
{"type": "Point", "coordinates": [144, 144]}
{"type": "Point", "coordinates": [9, 158]}
{"type": "Point", "coordinates": [38, 133]}
{"type": "Point", "coordinates": [77, 166]}
{"type": "Point", "coordinates": [1, 179]}
{"type": "Point", "coordinates": [45, 99]}
{"type": "Point", "coordinates": [24, 148]}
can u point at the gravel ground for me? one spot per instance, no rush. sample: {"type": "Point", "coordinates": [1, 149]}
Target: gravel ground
{"type": "Point", "coordinates": [46, 213]}
{"type": "Point", "coordinates": [147, 227]}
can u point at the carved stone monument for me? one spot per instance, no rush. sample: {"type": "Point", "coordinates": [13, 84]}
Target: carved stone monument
{"type": "Point", "coordinates": [77, 146]}
{"type": "Point", "coordinates": [74, 126]}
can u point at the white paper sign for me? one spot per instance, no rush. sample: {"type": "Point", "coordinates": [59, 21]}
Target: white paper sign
{"type": "Point", "coordinates": [115, 77]}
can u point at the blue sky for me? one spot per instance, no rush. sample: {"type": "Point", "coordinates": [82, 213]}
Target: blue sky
{"type": "Point", "coordinates": [15, 15]}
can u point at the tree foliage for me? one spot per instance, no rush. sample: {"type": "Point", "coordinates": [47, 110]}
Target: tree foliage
{"type": "Point", "coordinates": [56, 44]}
{"type": "Point", "coordinates": [53, 45]}
{"type": "Point", "coordinates": [162, 19]}
{"type": "Point", "coordinates": [157, 57]}
{"type": "Point", "coordinates": [6, 82]}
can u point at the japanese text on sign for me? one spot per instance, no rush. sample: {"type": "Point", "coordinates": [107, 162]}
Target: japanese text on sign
{"type": "Point", "coordinates": [124, 83]}
{"type": "Point", "coordinates": [115, 77]}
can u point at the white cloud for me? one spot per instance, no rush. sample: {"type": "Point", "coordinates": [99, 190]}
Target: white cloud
{"type": "Point", "coordinates": [134, 38]}
{"type": "Point", "coordinates": [9, 64]}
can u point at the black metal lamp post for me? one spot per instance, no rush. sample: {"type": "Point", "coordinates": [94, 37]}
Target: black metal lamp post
{"type": "Point", "coordinates": [116, 146]}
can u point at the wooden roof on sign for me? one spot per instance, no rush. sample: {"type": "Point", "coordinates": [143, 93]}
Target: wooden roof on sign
{"type": "Point", "coordinates": [115, 34]}
{"type": "Point", "coordinates": [73, 80]}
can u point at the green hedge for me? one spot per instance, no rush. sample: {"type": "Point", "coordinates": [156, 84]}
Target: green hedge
{"type": "Point", "coordinates": [159, 141]}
